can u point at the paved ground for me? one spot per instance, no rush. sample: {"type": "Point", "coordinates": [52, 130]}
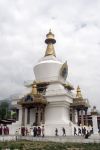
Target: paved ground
{"type": "Point", "coordinates": [75, 139]}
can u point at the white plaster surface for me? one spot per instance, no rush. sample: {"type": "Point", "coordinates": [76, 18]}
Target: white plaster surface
{"type": "Point", "coordinates": [95, 125]}
{"type": "Point", "coordinates": [58, 98]}
{"type": "Point", "coordinates": [47, 70]}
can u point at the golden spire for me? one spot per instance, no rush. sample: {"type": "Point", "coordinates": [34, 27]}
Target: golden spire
{"type": "Point", "coordinates": [50, 41]}
{"type": "Point", "coordinates": [34, 89]}
{"type": "Point", "coordinates": [78, 94]}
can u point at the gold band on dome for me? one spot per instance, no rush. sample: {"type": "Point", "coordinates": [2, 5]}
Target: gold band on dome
{"type": "Point", "coordinates": [50, 50]}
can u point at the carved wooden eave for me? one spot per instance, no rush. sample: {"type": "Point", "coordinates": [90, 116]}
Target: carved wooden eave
{"type": "Point", "coordinates": [34, 101]}
{"type": "Point", "coordinates": [94, 113]}
{"type": "Point", "coordinates": [80, 103]}
{"type": "Point", "coordinates": [68, 86]}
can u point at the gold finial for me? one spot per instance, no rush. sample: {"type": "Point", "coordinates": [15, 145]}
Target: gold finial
{"type": "Point", "coordinates": [78, 94]}
{"type": "Point", "coordinates": [50, 35]}
{"type": "Point", "coordinates": [34, 89]}
{"type": "Point", "coordinates": [50, 41]}
{"type": "Point", "coordinates": [49, 30]}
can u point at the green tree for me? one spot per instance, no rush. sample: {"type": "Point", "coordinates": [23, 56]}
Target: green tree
{"type": "Point", "coordinates": [4, 110]}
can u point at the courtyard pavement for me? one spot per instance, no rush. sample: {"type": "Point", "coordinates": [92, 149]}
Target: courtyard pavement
{"type": "Point", "coordinates": [73, 139]}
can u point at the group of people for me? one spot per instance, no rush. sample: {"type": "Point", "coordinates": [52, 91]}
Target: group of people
{"type": "Point", "coordinates": [80, 131]}
{"type": "Point", "coordinates": [38, 131]}
{"type": "Point", "coordinates": [24, 131]}
{"type": "Point", "coordinates": [63, 132]}
{"type": "Point", "coordinates": [4, 130]}
{"type": "Point", "coordinates": [83, 132]}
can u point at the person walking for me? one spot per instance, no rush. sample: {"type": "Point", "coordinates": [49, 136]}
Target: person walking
{"type": "Point", "coordinates": [35, 131]}
{"type": "Point", "coordinates": [38, 131]}
{"type": "Point", "coordinates": [79, 131]}
{"type": "Point", "coordinates": [26, 131]}
{"type": "Point", "coordinates": [42, 130]}
{"type": "Point", "coordinates": [23, 131]}
{"type": "Point", "coordinates": [75, 131]}
{"type": "Point", "coordinates": [0, 129]}
{"type": "Point", "coordinates": [56, 132]}
{"type": "Point", "coordinates": [64, 132]}
{"type": "Point", "coordinates": [84, 131]}
{"type": "Point", "coordinates": [7, 130]}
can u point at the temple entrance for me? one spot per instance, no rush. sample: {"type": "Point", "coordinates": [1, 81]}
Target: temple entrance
{"type": "Point", "coordinates": [39, 117]}
{"type": "Point", "coordinates": [36, 120]}
{"type": "Point", "coordinates": [36, 101]}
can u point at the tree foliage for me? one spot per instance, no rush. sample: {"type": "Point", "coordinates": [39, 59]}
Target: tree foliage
{"type": "Point", "coordinates": [5, 113]}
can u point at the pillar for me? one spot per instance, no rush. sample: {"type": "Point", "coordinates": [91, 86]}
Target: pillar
{"type": "Point", "coordinates": [28, 115]}
{"type": "Point", "coordinates": [82, 119]}
{"type": "Point", "coordinates": [86, 118]}
{"type": "Point", "coordinates": [23, 116]}
{"type": "Point", "coordinates": [78, 116]}
{"type": "Point", "coordinates": [94, 121]}
{"type": "Point", "coordinates": [95, 125]}
{"type": "Point", "coordinates": [43, 121]}
{"type": "Point", "coordinates": [39, 116]}
{"type": "Point", "coordinates": [73, 115]}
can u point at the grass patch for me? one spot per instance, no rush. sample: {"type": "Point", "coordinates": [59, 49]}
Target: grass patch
{"type": "Point", "coordinates": [31, 145]}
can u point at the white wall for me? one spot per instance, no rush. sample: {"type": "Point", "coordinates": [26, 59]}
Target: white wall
{"type": "Point", "coordinates": [32, 116]}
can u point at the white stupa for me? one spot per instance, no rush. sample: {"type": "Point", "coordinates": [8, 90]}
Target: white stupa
{"type": "Point", "coordinates": [50, 69]}
{"type": "Point", "coordinates": [55, 113]}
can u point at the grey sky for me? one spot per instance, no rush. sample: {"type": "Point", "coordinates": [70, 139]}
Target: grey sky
{"type": "Point", "coordinates": [76, 25]}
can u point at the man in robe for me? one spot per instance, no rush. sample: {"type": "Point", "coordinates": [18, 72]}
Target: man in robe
{"type": "Point", "coordinates": [0, 129]}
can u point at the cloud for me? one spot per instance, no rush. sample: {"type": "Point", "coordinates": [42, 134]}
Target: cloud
{"type": "Point", "coordinates": [23, 26]}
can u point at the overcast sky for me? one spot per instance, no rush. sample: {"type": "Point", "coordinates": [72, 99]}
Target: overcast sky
{"type": "Point", "coordinates": [76, 25]}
